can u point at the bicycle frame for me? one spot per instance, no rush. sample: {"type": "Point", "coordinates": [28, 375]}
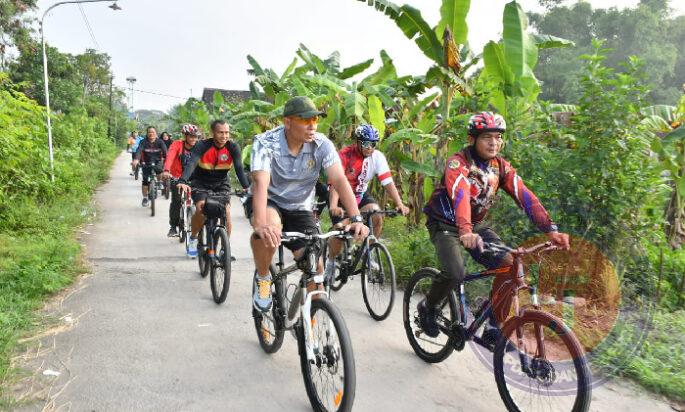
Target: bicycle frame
{"type": "Point", "coordinates": [301, 299]}
{"type": "Point", "coordinates": [349, 267]}
{"type": "Point", "coordinates": [514, 283]}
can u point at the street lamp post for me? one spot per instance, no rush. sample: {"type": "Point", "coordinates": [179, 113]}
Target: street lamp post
{"type": "Point", "coordinates": [114, 6]}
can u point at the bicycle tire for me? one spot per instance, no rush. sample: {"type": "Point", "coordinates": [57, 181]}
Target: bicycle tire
{"type": "Point", "coordinates": [152, 192]}
{"type": "Point", "coordinates": [384, 283]}
{"type": "Point", "coordinates": [201, 252]}
{"type": "Point", "coordinates": [563, 334]}
{"type": "Point", "coordinates": [343, 398]}
{"type": "Point", "coordinates": [410, 317]}
{"type": "Point", "coordinates": [336, 284]}
{"type": "Point", "coordinates": [275, 330]}
{"type": "Point", "coordinates": [220, 272]}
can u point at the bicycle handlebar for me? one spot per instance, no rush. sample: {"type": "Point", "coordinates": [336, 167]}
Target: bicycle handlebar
{"type": "Point", "coordinates": [292, 236]}
{"type": "Point", "coordinates": [495, 247]}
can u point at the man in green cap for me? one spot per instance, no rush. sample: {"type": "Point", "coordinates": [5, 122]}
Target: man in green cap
{"type": "Point", "coordinates": [286, 162]}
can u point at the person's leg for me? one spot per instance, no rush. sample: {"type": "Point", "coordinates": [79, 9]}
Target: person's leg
{"type": "Point", "coordinates": [304, 222]}
{"type": "Point", "coordinates": [174, 207]}
{"type": "Point", "coordinates": [198, 218]}
{"type": "Point", "coordinates": [263, 255]}
{"type": "Point", "coordinates": [377, 219]}
{"type": "Point", "coordinates": [448, 250]}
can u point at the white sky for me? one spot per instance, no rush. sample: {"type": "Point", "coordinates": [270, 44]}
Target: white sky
{"type": "Point", "coordinates": [174, 47]}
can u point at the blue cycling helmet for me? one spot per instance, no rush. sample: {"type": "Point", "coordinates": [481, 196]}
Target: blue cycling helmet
{"type": "Point", "coordinates": [367, 133]}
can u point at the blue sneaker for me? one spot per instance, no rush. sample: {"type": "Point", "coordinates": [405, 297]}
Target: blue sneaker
{"type": "Point", "coordinates": [427, 319]}
{"type": "Point", "coordinates": [191, 250]}
{"type": "Point", "coordinates": [262, 293]}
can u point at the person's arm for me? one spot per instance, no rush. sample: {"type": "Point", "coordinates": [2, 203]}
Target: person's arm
{"type": "Point", "coordinates": [339, 183]}
{"type": "Point", "coordinates": [139, 152]}
{"type": "Point", "coordinates": [234, 150]}
{"type": "Point", "coordinates": [195, 155]}
{"type": "Point", "coordinates": [172, 155]}
{"type": "Point", "coordinates": [333, 206]}
{"type": "Point", "coordinates": [526, 200]}
{"type": "Point", "coordinates": [261, 178]}
{"type": "Point", "coordinates": [385, 177]}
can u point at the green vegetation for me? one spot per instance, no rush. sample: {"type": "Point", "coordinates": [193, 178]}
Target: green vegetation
{"type": "Point", "coordinates": [583, 131]}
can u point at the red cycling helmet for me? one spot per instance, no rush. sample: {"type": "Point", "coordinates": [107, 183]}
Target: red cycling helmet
{"type": "Point", "coordinates": [486, 122]}
{"type": "Point", "coordinates": [190, 129]}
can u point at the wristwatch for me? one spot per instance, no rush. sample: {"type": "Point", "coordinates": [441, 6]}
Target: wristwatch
{"type": "Point", "coordinates": [356, 219]}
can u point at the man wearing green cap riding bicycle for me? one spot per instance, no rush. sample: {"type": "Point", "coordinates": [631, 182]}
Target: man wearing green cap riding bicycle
{"type": "Point", "coordinates": [286, 163]}
{"type": "Point", "coordinates": [457, 208]}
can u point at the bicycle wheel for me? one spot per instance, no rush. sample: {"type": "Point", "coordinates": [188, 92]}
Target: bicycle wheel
{"type": "Point", "coordinates": [330, 379]}
{"type": "Point", "coordinates": [135, 173]}
{"type": "Point", "coordinates": [220, 279]}
{"type": "Point", "coordinates": [269, 326]}
{"type": "Point", "coordinates": [378, 282]}
{"type": "Point", "coordinates": [540, 365]}
{"type": "Point", "coordinates": [201, 252]}
{"type": "Point", "coordinates": [432, 350]}
{"type": "Point", "coordinates": [152, 191]}
{"type": "Point", "coordinates": [336, 284]}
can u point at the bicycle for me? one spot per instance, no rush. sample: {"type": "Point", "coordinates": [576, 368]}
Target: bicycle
{"type": "Point", "coordinates": [544, 351]}
{"type": "Point", "coordinates": [323, 341]}
{"type": "Point", "coordinates": [377, 270]}
{"type": "Point", "coordinates": [153, 186]}
{"type": "Point", "coordinates": [213, 245]}
{"type": "Point", "coordinates": [184, 222]}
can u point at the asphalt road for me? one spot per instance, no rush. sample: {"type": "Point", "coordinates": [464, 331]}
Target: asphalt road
{"type": "Point", "coordinates": [142, 333]}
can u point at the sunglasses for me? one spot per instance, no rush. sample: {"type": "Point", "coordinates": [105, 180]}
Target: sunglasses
{"type": "Point", "coordinates": [365, 144]}
{"type": "Point", "coordinates": [310, 121]}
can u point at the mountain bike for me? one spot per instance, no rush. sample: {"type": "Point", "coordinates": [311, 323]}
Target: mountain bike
{"type": "Point", "coordinates": [184, 222]}
{"type": "Point", "coordinates": [323, 341]}
{"type": "Point", "coordinates": [372, 260]}
{"type": "Point", "coordinates": [538, 361]}
{"type": "Point", "coordinates": [213, 245]}
{"type": "Point", "coordinates": [153, 186]}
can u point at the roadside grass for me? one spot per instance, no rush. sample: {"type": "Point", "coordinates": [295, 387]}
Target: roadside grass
{"type": "Point", "coordinates": [39, 256]}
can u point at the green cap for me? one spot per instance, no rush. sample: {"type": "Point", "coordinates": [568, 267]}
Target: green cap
{"type": "Point", "coordinates": [301, 106]}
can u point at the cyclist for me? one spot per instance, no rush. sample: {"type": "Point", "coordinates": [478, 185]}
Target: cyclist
{"type": "Point", "coordinates": [134, 148]}
{"type": "Point", "coordinates": [286, 162]}
{"type": "Point", "coordinates": [361, 162]}
{"type": "Point", "coordinates": [166, 138]}
{"type": "Point", "coordinates": [177, 159]}
{"type": "Point", "coordinates": [210, 160]}
{"type": "Point", "coordinates": [457, 208]}
{"type": "Point", "coordinates": [150, 150]}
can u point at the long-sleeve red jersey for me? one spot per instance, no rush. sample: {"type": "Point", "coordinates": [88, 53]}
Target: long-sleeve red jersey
{"type": "Point", "coordinates": [468, 188]}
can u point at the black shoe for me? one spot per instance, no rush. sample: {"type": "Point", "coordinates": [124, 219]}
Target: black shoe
{"type": "Point", "coordinates": [427, 319]}
{"type": "Point", "coordinates": [145, 202]}
{"type": "Point", "coordinates": [233, 258]}
{"type": "Point", "coordinates": [172, 232]}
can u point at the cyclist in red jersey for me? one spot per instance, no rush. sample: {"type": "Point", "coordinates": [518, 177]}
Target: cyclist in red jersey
{"type": "Point", "coordinates": [361, 161]}
{"type": "Point", "coordinates": [458, 206]}
{"type": "Point", "coordinates": [177, 158]}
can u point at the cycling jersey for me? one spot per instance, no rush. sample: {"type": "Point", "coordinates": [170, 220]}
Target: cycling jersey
{"type": "Point", "coordinates": [149, 152]}
{"type": "Point", "coordinates": [359, 170]}
{"type": "Point", "coordinates": [177, 158]}
{"type": "Point", "coordinates": [468, 188]}
{"type": "Point", "coordinates": [210, 164]}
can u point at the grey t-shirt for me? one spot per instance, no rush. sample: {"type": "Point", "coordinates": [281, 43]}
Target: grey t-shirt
{"type": "Point", "coordinates": [293, 178]}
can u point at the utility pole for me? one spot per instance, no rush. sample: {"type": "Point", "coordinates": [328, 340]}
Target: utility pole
{"type": "Point", "coordinates": [130, 81]}
{"type": "Point", "coordinates": [109, 120]}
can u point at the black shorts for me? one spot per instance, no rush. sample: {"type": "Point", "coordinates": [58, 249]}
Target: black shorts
{"type": "Point", "coordinates": [147, 172]}
{"type": "Point", "coordinates": [367, 199]}
{"type": "Point", "coordinates": [292, 220]}
{"type": "Point", "coordinates": [201, 190]}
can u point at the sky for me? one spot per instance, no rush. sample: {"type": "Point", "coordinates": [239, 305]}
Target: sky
{"type": "Point", "coordinates": [176, 48]}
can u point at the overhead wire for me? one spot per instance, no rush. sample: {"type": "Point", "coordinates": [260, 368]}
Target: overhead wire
{"type": "Point", "coordinates": [151, 92]}
{"type": "Point", "coordinates": [90, 29]}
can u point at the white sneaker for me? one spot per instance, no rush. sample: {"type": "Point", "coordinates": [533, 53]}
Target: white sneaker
{"type": "Point", "coordinates": [191, 251]}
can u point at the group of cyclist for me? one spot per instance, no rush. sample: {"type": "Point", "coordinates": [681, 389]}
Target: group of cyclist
{"type": "Point", "coordinates": [286, 164]}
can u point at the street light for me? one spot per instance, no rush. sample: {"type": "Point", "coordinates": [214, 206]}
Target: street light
{"type": "Point", "coordinates": [114, 6]}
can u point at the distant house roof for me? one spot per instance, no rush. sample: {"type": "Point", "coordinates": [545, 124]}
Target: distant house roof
{"type": "Point", "coordinates": [233, 96]}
